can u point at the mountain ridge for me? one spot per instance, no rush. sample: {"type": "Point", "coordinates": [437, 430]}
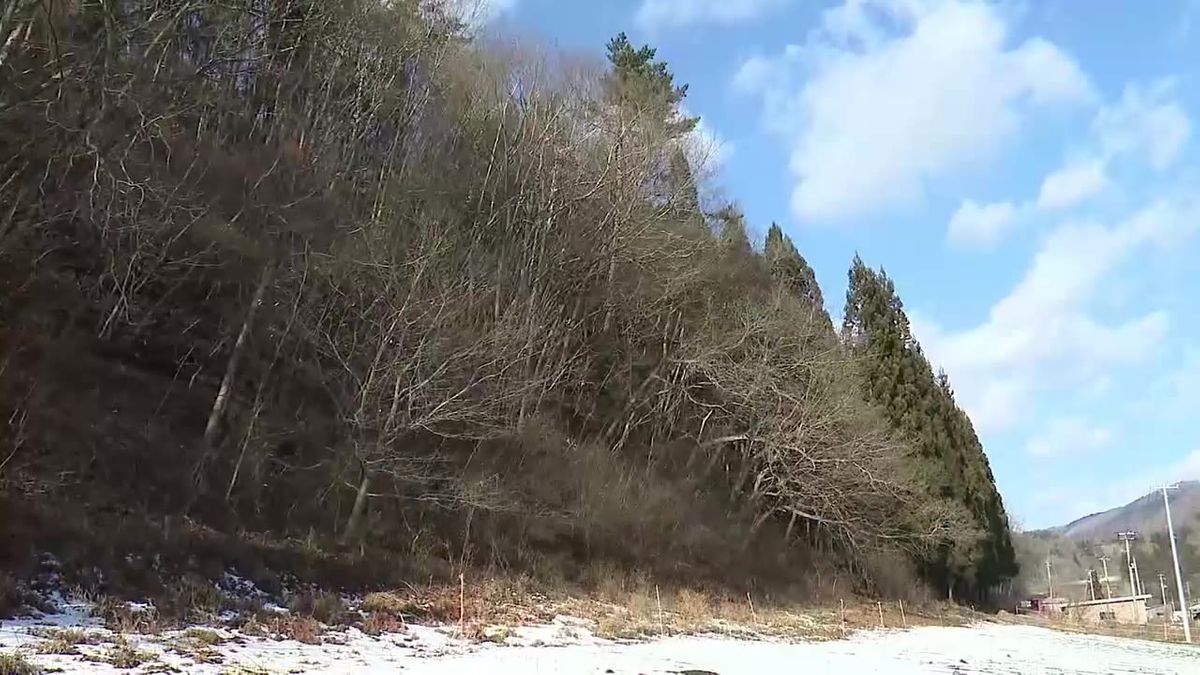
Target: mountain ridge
{"type": "Point", "coordinates": [1143, 515]}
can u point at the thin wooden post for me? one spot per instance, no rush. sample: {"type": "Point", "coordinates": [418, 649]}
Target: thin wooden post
{"type": "Point", "coordinates": [903, 619]}
{"type": "Point", "coordinates": [462, 605]}
{"type": "Point", "coordinates": [662, 626]}
{"type": "Point", "coordinates": [880, 604]}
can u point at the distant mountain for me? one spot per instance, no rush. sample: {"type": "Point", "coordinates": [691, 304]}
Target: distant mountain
{"type": "Point", "coordinates": [1077, 548]}
{"type": "Point", "coordinates": [1144, 515]}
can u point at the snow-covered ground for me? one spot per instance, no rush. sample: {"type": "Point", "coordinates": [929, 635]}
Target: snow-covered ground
{"type": "Point", "coordinates": [567, 646]}
{"type": "Point", "coordinates": [71, 640]}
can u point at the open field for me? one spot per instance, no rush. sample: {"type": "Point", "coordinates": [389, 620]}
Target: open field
{"type": "Point", "coordinates": [567, 645]}
{"type": "Point", "coordinates": [449, 631]}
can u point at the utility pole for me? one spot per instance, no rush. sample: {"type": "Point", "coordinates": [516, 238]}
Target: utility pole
{"type": "Point", "coordinates": [1162, 583]}
{"type": "Point", "coordinates": [1187, 631]}
{"type": "Point", "coordinates": [1133, 580]}
{"type": "Point", "coordinates": [1107, 582]}
{"type": "Point", "coordinates": [1049, 581]}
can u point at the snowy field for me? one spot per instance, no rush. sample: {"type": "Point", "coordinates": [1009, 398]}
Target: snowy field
{"type": "Point", "coordinates": [567, 646]}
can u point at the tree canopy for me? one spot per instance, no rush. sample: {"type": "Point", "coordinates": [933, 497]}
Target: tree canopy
{"type": "Point", "coordinates": [640, 83]}
{"type": "Point", "coordinates": [920, 406]}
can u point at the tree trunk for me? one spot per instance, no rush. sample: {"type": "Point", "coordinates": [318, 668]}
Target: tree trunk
{"type": "Point", "coordinates": [222, 400]}
{"type": "Point", "coordinates": [357, 514]}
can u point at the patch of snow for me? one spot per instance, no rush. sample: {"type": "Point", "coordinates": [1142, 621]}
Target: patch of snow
{"type": "Point", "coordinates": [567, 645]}
{"type": "Point", "coordinates": [68, 613]}
{"type": "Point", "coordinates": [241, 587]}
{"type": "Point", "coordinates": [560, 632]}
{"type": "Point", "coordinates": [984, 649]}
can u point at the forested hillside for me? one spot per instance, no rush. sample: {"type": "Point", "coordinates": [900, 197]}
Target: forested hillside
{"type": "Point", "coordinates": [339, 273]}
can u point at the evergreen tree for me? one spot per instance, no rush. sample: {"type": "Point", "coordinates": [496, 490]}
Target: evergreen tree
{"type": "Point", "coordinates": [790, 270]}
{"type": "Point", "coordinates": [684, 193]}
{"type": "Point", "coordinates": [921, 408]}
{"type": "Point", "coordinates": [639, 83]}
{"type": "Point", "coordinates": [732, 224]}
{"type": "Point", "coordinates": [644, 90]}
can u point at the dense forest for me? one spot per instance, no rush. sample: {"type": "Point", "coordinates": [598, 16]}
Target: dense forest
{"type": "Point", "coordinates": [348, 273]}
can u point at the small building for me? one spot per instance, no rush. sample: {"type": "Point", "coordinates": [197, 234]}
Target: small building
{"type": "Point", "coordinates": [1043, 604]}
{"type": "Point", "coordinates": [1126, 609]}
{"type": "Point", "coordinates": [1193, 614]}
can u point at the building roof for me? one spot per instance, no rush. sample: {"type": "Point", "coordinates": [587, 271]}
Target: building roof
{"type": "Point", "coordinates": [1112, 601]}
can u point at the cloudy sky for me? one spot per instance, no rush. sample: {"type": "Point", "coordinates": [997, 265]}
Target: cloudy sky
{"type": "Point", "coordinates": [1027, 172]}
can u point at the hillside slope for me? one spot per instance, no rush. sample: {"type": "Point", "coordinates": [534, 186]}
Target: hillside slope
{"type": "Point", "coordinates": [339, 288]}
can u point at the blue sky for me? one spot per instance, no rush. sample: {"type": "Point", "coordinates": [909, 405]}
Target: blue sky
{"type": "Point", "coordinates": [1027, 172]}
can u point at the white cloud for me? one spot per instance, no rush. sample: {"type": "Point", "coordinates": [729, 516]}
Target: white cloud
{"type": "Point", "coordinates": [706, 148]}
{"type": "Point", "coordinates": [1187, 20]}
{"type": "Point", "coordinates": [654, 14]}
{"type": "Point", "coordinates": [1071, 502]}
{"type": "Point", "coordinates": [998, 403]}
{"type": "Point", "coordinates": [1044, 334]}
{"type": "Point", "coordinates": [757, 73]}
{"type": "Point", "coordinates": [980, 225]}
{"type": "Point", "coordinates": [1072, 184]}
{"type": "Point", "coordinates": [1187, 468]}
{"type": "Point", "coordinates": [1175, 394]}
{"type": "Point", "coordinates": [1146, 123]}
{"type": "Point", "coordinates": [873, 113]}
{"type": "Point", "coordinates": [1068, 436]}
{"type": "Point", "coordinates": [1185, 380]}
{"type": "Point", "coordinates": [1130, 487]}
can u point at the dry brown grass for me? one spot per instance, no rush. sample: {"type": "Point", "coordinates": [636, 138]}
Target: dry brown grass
{"type": "Point", "coordinates": [199, 645]}
{"type": "Point", "coordinates": [205, 636]}
{"type": "Point", "coordinates": [378, 623]}
{"type": "Point", "coordinates": [304, 629]}
{"type": "Point", "coordinates": [691, 605]}
{"type": "Point", "coordinates": [119, 617]}
{"type": "Point", "coordinates": [639, 611]}
{"type": "Point", "coordinates": [323, 606]}
{"type": "Point", "coordinates": [10, 596]}
{"type": "Point", "coordinates": [64, 640]}
{"type": "Point", "coordinates": [121, 655]}
{"type": "Point", "coordinates": [16, 663]}
{"type": "Point", "coordinates": [387, 602]}
{"type": "Point", "coordinates": [194, 597]}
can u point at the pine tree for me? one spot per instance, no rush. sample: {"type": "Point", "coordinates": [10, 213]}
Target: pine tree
{"type": "Point", "coordinates": [639, 83]}
{"type": "Point", "coordinates": [644, 90]}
